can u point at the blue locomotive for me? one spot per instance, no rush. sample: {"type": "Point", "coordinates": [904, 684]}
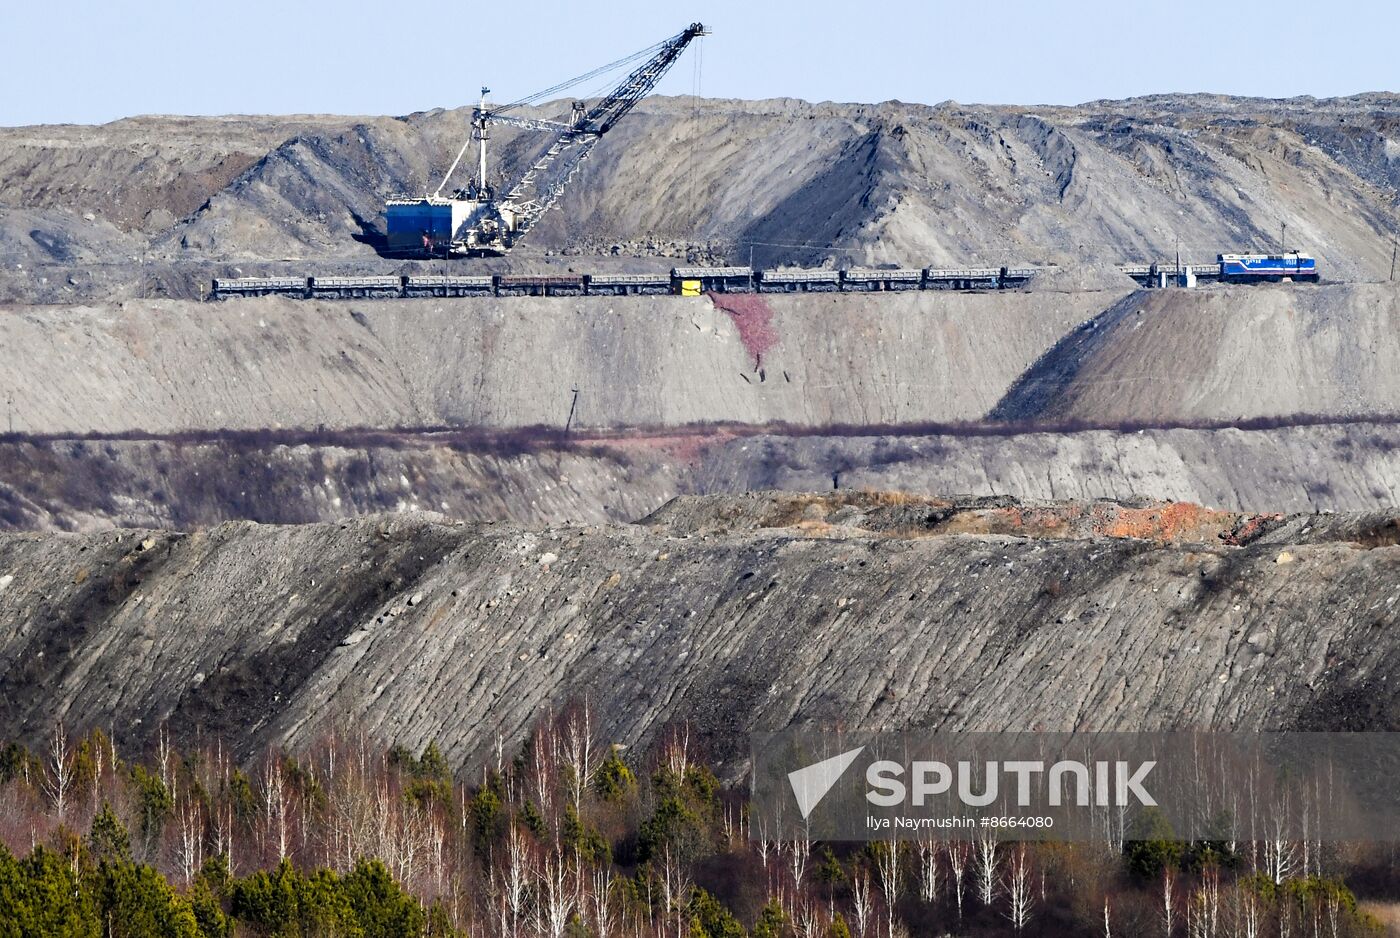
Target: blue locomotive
{"type": "Point", "coordinates": [1255, 268]}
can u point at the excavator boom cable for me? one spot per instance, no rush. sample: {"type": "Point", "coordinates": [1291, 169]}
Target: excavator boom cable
{"type": "Point", "coordinates": [549, 92]}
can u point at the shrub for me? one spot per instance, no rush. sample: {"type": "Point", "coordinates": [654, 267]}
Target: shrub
{"type": "Point", "coordinates": [710, 919]}
{"type": "Point", "coordinates": [137, 902]}
{"type": "Point", "coordinates": [1153, 846]}
{"type": "Point", "coordinates": [40, 895]}
{"type": "Point", "coordinates": [108, 841]}
{"type": "Point", "coordinates": [614, 781]}
{"type": "Point", "coordinates": [381, 907]}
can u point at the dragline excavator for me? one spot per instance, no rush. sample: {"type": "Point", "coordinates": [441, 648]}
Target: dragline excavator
{"type": "Point", "coordinates": [475, 220]}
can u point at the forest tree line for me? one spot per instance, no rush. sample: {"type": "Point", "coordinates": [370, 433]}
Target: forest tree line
{"type": "Point", "coordinates": [572, 837]}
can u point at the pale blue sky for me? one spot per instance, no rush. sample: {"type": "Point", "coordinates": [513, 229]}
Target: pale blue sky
{"type": "Point", "coordinates": [86, 61]}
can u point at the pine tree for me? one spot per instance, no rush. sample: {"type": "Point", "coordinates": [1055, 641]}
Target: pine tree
{"type": "Point", "coordinates": [108, 841]}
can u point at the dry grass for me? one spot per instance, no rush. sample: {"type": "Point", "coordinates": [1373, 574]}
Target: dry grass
{"type": "Point", "coordinates": [1387, 913]}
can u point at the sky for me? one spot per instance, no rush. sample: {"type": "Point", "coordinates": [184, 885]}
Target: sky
{"type": "Point", "coordinates": [82, 61]}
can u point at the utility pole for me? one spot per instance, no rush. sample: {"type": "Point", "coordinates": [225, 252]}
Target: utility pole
{"type": "Point", "coordinates": [1394, 243]}
{"type": "Point", "coordinates": [1283, 237]}
{"type": "Point", "coordinates": [572, 406]}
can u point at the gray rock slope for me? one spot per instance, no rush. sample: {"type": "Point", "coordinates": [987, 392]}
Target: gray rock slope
{"type": "Point", "coordinates": [1097, 357]}
{"type": "Point", "coordinates": [179, 484]}
{"type": "Point", "coordinates": [167, 365]}
{"type": "Point", "coordinates": [731, 614]}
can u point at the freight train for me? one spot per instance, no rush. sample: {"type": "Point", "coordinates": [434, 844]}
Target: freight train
{"type": "Point", "coordinates": [1227, 268]}
{"type": "Point", "coordinates": [692, 281]}
{"type": "Point", "coordinates": [681, 281]}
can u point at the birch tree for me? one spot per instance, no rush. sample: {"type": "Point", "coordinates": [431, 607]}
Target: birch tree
{"type": "Point", "coordinates": [887, 865]}
{"type": "Point", "coordinates": [862, 905]}
{"type": "Point", "coordinates": [60, 780]}
{"type": "Point", "coordinates": [1168, 908]}
{"type": "Point", "coordinates": [928, 869]}
{"type": "Point", "coordinates": [1019, 893]}
{"type": "Point", "coordinates": [578, 752]}
{"type": "Point", "coordinates": [957, 864]}
{"type": "Point", "coordinates": [987, 860]}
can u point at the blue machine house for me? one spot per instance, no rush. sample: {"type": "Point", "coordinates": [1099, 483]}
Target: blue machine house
{"type": "Point", "coordinates": [1252, 268]}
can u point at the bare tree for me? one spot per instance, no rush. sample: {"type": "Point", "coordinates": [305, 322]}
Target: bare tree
{"type": "Point", "coordinates": [223, 834]}
{"type": "Point", "coordinates": [807, 922]}
{"type": "Point", "coordinates": [1107, 925]}
{"type": "Point", "coordinates": [515, 881]}
{"type": "Point", "coordinates": [799, 850]}
{"type": "Point", "coordinates": [437, 847]}
{"type": "Point", "coordinates": [1334, 915]}
{"type": "Point", "coordinates": [545, 767]}
{"type": "Point", "coordinates": [165, 757]}
{"type": "Point", "coordinates": [277, 806]}
{"type": "Point", "coordinates": [99, 757]}
{"type": "Point", "coordinates": [1019, 894]}
{"type": "Point", "coordinates": [987, 860]}
{"type": "Point", "coordinates": [928, 869]}
{"type": "Point", "coordinates": [1203, 911]}
{"type": "Point", "coordinates": [600, 905]}
{"type": "Point", "coordinates": [765, 846]}
{"type": "Point", "coordinates": [1246, 917]}
{"type": "Point", "coordinates": [887, 865]}
{"type": "Point", "coordinates": [1168, 903]}
{"type": "Point", "coordinates": [957, 864]}
{"type": "Point", "coordinates": [60, 779]}
{"type": "Point", "coordinates": [862, 905]}
{"type": "Point", "coordinates": [732, 826]}
{"type": "Point", "coordinates": [676, 754]}
{"type": "Point", "coordinates": [578, 752]}
{"type": "Point", "coordinates": [557, 896]}
{"type": "Point", "coordinates": [1280, 853]}
{"type": "Point", "coordinates": [675, 886]}
{"type": "Point", "coordinates": [191, 817]}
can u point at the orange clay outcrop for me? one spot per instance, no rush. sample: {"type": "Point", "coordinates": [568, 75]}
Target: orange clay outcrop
{"type": "Point", "coordinates": [901, 515]}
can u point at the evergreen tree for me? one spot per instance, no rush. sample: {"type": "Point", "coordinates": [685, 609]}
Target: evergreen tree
{"type": "Point", "coordinates": [686, 816]}
{"type": "Point", "coordinates": [381, 907]}
{"type": "Point", "coordinates": [209, 895]}
{"type": "Point", "coordinates": [772, 921]}
{"type": "Point", "coordinates": [1152, 846]}
{"type": "Point", "coordinates": [154, 800]}
{"type": "Point", "coordinates": [710, 919]}
{"type": "Point", "coordinates": [285, 904]}
{"type": "Point", "coordinates": [614, 781]}
{"type": "Point", "coordinates": [41, 896]}
{"type": "Point", "coordinates": [488, 820]}
{"type": "Point", "coordinates": [137, 902]}
{"type": "Point", "coordinates": [108, 840]}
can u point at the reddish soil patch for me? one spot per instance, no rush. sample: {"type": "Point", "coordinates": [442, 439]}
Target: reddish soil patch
{"type": "Point", "coordinates": [1165, 523]}
{"type": "Point", "coordinates": [752, 317]}
{"type": "Point", "coordinates": [678, 447]}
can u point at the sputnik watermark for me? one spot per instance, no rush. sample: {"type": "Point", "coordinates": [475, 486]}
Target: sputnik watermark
{"type": "Point", "coordinates": [1075, 786]}
{"type": "Point", "coordinates": [810, 784]}
{"type": "Point", "coordinates": [1114, 783]}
